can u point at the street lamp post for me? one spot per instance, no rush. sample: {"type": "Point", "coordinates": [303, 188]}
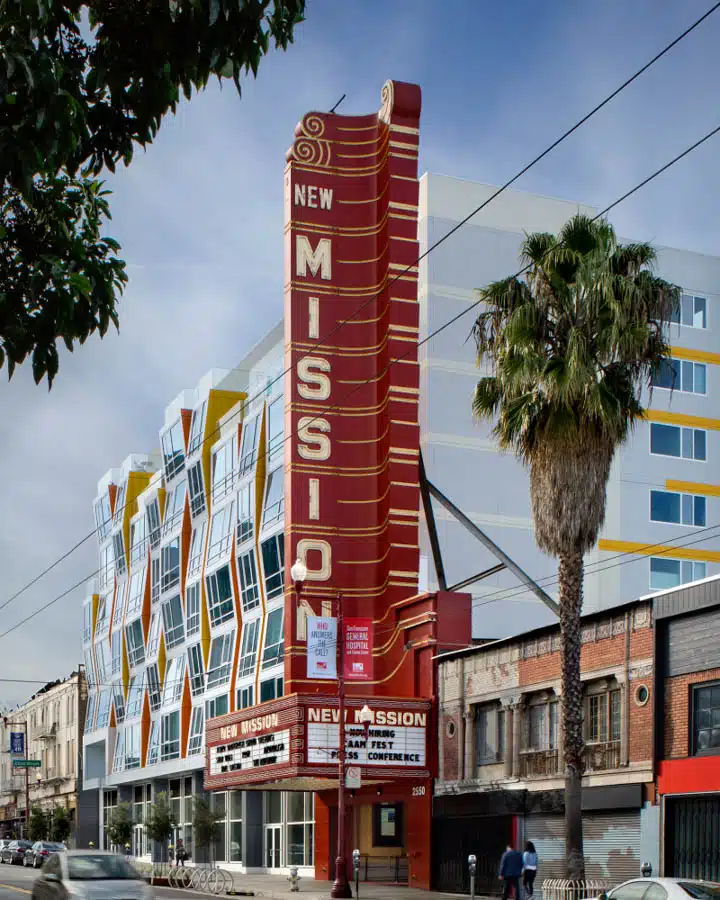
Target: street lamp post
{"type": "Point", "coordinates": [341, 886]}
{"type": "Point", "coordinates": [27, 772]}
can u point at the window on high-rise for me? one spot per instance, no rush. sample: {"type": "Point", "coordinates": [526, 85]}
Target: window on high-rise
{"type": "Point", "coordinates": [197, 428]}
{"type": "Point", "coordinates": [196, 489]}
{"type": "Point", "coordinates": [220, 597]}
{"type": "Point", "coordinates": [692, 312]}
{"type": "Point", "coordinates": [672, 440]}
{"type": "Point", "coordinates": [274, 640]}
{"type": "Point", "coordinates": [677, 509]}
{"type": "Point", "coordinates": [173, 449]}
{"type": "Point", "coordinates": [666, 573]}
{"type": "Point", "coordinates": [680, 375]}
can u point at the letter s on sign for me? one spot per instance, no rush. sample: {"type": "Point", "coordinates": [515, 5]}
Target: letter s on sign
{"type": "Point", "coordinates": [313, 384]}
{"type": "Point", "coordinates": [314, 440]}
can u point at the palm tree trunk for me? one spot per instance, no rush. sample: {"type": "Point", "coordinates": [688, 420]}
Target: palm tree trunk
{"type": "Point", "coordinates": [570, 579]}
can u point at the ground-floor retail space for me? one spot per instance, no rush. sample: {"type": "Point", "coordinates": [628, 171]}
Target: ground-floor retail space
{"type": "Point", "coordinates": [620, 831]}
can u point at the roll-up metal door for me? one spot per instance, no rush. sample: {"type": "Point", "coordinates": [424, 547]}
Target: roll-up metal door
{"type": "Point", "coordinates": [611, 841]}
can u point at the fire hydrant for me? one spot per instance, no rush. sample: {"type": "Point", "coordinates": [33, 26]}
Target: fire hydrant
{"type": "Point", "coordinates": [294, 879]}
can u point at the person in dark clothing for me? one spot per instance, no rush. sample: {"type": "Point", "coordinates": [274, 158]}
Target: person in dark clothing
{"type": "Point", "coordinates": [511, 867]}
{"type": "Point", "coordinates": [530, 864]}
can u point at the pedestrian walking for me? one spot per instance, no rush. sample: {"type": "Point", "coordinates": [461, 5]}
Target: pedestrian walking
{"type": "Point", "coordinates": [181, 853]}
{"type": "Point", "coordinates": [511, 868]}
{"type": "Point", "coordinates": [530, 864]}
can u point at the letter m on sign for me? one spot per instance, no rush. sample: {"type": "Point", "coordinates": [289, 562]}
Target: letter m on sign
{"type": "Point", "coordinates": [317, 260]}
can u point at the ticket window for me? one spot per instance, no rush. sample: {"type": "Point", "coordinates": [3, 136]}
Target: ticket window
{"type": "Point", "coordinates": [388, 826]}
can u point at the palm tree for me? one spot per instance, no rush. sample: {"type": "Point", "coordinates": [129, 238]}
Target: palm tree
{"type": "Point", "coordinates": [570, 348]}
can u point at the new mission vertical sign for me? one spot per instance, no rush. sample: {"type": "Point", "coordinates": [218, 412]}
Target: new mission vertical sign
{"type": "Point", "coordinates": [351, 490]}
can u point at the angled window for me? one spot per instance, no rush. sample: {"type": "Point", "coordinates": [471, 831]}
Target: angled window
{"type": "Point", "coordinates": [107, 566]}
{"type": "Point", "coordinates": [196, 669]}
{"type": "Point", "coordinates": [119, 504]}
{"type": "Point", "coordinates": [248, 655]}
{"type": "Point", "coordinates": [173, 621]}
{"type": "Point", "coordinates": [87, 623]}
{"type": "Point", "coordinates": [174, 507]}
{"type": "Point", "coordinates": [135, 642]}
{"type": "Point", "coordinates": [174, 677]}
{"type": "Point", "coordinates": [271, 689]}
{"type": "Point", "coordinates": [90, 711]}
{"type": "Point", "coordinates": [103, 518]}
{"type": "Point", "coordinates": [173, 450]}
{"type": "Point", "coordinates": [153, 641]}
{"type": "Point", "coordinates": [221, 533]}
{"type": "Point", "coordinates": [197, 428]}
{"type": "Point", "coordinates": [249, 590]}
{"type": "Point", "coordinates": [680, 375]}
{"type": "Point", "coordinates": [220, 599]}
{"type": "Point", "coordinates": [132, 746]}
{"type": "Point", "coordinates": [170, 736]}
{"type": "Point", "coordinates": [102, 661]}
{"type": "Point", "coordinates": [119, 703]}
{"type": "Point", "coordinates": [220, 659]}
{"type": "Point", "coordinates": [192, 607]}
{"type": "Point", "coordinates": [683, 443]}
{"type": "Point", "coordinates": [136, 591]}
{"type": "Point", "coordinates": [245, 697]}
{"type": "Point", "coordinates": [120, 603]}
{"type": "Point", "coordinates": [197, 546]}
{"type": "Point", "coordinates": [274, 497]}
{"type": "Point", "coordinates": [197, 731]}
{"type": "Point", "coordinates": [196, 489]}
{"type": "Point", "coordinates": [224, 470]}
{"type": "Point", "coordinates": [104, 702]}
{"type": "Point", "coordinates": [119, 553]}
{"type": "Point", "coordinates": [153, 752]}
{"type": "Point", "coordinates": [153, 683]}
{"type": "Point", "coordinates": [155, 579]}
{"type": "Point", "coordinates": [116, 653]}
{"type": "Point", "coordinates": [138, 540]}
{"type": "Point", "coordinates": [692, 312]}
{"type": "Point", "coordinates": [678, 509]}
{"type": "Point", "coordinates": [249, 444]}
{"type": "Point", "coordinates": [276, 423]}
{"type": "Point", "coordinates": [245, 516]}
{"type": "Point", "coordinates": [218, 706]}
{"type": "Point", "coordinates": [135, 696]}
{"type": "Point", "coordinates": [170, 564]}
{"type": "Point", "coordinates": [90, 668]}
{"type": "Point", "coordinates": [154, 523]}
{"type": "Point", "coordinates": [102, 622]}
{"type": "Point", "coordinates": [273, 557]}
{"type": "Point", "coordinates": [273, 652]}
{"type": "Point", "coordinates": [119, 756]}
{"type": "Point", "coordinates": [668, 573]}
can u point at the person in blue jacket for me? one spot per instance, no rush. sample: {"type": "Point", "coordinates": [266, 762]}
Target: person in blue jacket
{"type": "Point", "coordinates": [530, 864]}
{"type": "Point", "coordinates": [511, 867]}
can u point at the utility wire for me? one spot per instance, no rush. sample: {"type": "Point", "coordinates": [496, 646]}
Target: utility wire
{"type": "Point", "coordinates": [426, 253]}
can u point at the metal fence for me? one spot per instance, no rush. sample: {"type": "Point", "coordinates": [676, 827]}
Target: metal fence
{"type": "Point", "coordinates": [566, 889]}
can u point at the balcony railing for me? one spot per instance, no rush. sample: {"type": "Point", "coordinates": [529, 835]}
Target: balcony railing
{"type": "Point", "coordinates": [538, 763]}
{"type": "Point", "coordinates": [45, 732]}
{"type": "Point", "coordinates": [601, 756]}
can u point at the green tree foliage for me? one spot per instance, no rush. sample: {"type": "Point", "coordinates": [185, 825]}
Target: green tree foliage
{"type": "Point", "coordinates": [38, 826]}
{"type": "Point", "coordinates": [120, 827]}
{"type": "Point", "coordinates": [81, 86]}
{"type": "Point", "coordinates": [60, 824]}
{"type": "Point", "coordinates": [571, 346]}
{"type": "Point", "coordinates": [160, 821]}
{"type": "Point", "coordinates": [206, 823]}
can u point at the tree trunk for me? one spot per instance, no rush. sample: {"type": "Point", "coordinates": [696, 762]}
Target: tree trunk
{"type": "Point", "coordinates": [570, 579]}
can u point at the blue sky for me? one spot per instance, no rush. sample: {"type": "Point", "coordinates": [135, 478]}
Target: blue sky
{"type": "Point", "coordinates": [200, 217]}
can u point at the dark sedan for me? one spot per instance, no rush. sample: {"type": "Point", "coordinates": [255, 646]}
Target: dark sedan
{"type": "Point", "coordinates": [14, 853]}
{"type": "Point", "coordinates": [40, 852]}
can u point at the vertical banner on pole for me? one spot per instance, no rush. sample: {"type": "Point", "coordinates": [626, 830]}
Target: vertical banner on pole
{"type": "Point", "coordinates": [321, 647]}
{"type": "Point", "coordinates": [358, 649]}
{"type": "Point", "coordinates": [17, 743]}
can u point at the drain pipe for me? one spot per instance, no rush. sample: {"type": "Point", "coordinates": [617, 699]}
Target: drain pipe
{"type": "Point", "coordinates": [463, 719]}
{"type": "Point", "coordinates": [626, 717]}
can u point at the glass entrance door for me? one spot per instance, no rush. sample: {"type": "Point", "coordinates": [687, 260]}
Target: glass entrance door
{"type": "Point", "coordinates": [273, 835]}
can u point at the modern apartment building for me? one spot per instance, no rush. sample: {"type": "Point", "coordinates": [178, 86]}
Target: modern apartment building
{"type": "Point", "coordinates": [186, 622]}
{"type": "Point", "coordinates": [54, 718]}
{"type": "Point", "coordinates": [665, 482]}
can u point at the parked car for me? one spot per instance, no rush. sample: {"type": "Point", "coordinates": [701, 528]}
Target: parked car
{"type": "Point", "coordinates": [82, 873]}
{"type": "Point", "coordinates": [664, 889]}
{"type": "Point", "coordinates": [14, 853]}
{"type": "Point", "coordinates": [39, 853]}
{"type": "Point", "coordinates": [4, 842]}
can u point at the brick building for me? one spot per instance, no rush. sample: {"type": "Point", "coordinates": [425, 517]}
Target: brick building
{"type": "Point", "coordinates": [500, 746]}
{"type": "Point", "coordinates": [687, 738]}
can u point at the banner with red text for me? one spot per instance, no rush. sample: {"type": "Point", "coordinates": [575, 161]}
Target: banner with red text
{"type": "Point", "coordinates": [358, 649]}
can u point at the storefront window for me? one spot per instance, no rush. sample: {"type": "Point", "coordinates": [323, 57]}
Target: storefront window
{"type": "Point", "coordinates": [235, 826]}
{"type": "Point", "coordinates": [219, 805]}
{"type": "Point", "coordinates": [299, 836]}
{"type": "Point", "coordinates": [110, 802]}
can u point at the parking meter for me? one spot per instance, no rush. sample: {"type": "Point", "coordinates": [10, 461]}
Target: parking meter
{"type": "Point", "coordinates": [472, 866]}
{"type": "Point", "coordinates": [646, 870]}
{"type": "Point", "coordinates": [356, 870]}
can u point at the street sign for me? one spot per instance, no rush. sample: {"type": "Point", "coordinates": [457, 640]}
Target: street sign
{"type": "Point", "coordinates": [26, 763]}
{"type": "Point", "coordinates": [352, 778]}
{"type": "Point", "coordinates": [17, 742]}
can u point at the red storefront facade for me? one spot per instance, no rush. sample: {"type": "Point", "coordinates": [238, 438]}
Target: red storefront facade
{"type": "Point", "coordinates": [352, 496]}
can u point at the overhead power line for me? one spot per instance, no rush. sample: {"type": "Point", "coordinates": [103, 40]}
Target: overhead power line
{"type": "Point", "coordinates": [625, 84]}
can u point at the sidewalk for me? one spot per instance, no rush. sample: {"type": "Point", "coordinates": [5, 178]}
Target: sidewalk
{"type": "Point", "coordinates": [277, 887]}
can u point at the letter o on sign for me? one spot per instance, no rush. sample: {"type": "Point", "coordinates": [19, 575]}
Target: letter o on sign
{"type": "Point", "coordinates": [313, 547]}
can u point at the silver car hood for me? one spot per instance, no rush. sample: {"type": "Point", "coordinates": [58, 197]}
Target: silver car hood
{"type": "Point", "coordinates": [113, 889]}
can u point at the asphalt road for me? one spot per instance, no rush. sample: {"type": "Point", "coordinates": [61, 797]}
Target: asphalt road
{"type": "Point", "coordinates": [16, 883]}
